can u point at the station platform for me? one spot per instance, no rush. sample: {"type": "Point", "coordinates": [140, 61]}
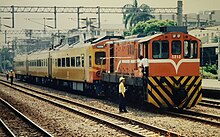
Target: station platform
{"type": "Point", "coordinates": [211, 88]}
{"type": "Point", "coordinates": [211, 84]}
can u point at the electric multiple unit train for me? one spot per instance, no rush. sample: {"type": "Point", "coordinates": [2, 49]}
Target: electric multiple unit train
{"type": "Point", "coordinates": [95, 67]}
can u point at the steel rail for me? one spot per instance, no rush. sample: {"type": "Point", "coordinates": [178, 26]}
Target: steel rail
{"type": "Point", "coordinates": [211, 101]}
{"type": "Point", "coordinates": [209, 105]}
{"type": "Point", "coordinates": [192, 115]}
{"type": "Point", "coordinates": [7, 129]}
{"type": "Point", "coordinates": [130, 121]}
{"type": "Point", "coordinates": [26, 118]}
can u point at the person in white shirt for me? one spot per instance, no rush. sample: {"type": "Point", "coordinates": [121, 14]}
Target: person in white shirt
{"type": "Point", "coordinates": [144, 65]}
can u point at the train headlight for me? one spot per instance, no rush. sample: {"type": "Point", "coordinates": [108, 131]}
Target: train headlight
{"type": "Point", "coordinates": [178, 35]}
{"type": "Point", "coordinates": [174, 35]}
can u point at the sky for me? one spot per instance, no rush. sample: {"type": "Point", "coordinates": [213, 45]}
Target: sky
{"type": "Point", "coordinates": [67, 21]}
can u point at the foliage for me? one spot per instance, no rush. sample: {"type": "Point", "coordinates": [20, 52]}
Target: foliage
{"type": "Point", "coordinates": [150, 26]}
{"type": "Point", "coordinates": [6, 59]}
{"type": "Point", "coordinates": [209, 72]}
{"type": "Point", "coordinates": [215, 39]}
{"type": "Point", "coordinates": [211, 68]}
{"type": "Point", "coordinates": [134, 14]}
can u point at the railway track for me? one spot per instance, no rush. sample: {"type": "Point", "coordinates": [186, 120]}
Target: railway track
{"type": "Point", "coordinates": [196, 116]}
{"type": "Point", "coordinates": [210, 103]}
{"type": "Point", "coordinates": [14, 123]}
{"type": "Point", "coordinates": [128, 126]}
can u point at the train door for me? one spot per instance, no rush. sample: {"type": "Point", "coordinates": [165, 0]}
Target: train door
{"type": "Point", "coordinates": [49, 65]}
{"type": "Point", "coordinates": [83, 66]}
{"type": "Point", "coordinates": [87, 66]}
{"type": "Point", "coordinates": [111, 58]}
{"type": "Point", "coordinates": [27, 64]}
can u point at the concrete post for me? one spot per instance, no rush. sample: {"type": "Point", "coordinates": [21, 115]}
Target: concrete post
{"type": "Point", "coordinates": [99, 17]}
{"type": "Point", "coordinates": [218, 54]}
{"type": "Point", "coordinates": [55, 17]}
{"type": "Point", "coordinates": [13, 16]}
{"type": "Point", "coordinates": [179, 13]}
{"type": "Point", "coordinates": [198, 20]}
{"type": "Point", "coordinates": [78, 25]}
{"type": "Point", "coordinates": [160, 17]}
{"type": "Point", "coordinates": [186, 19]}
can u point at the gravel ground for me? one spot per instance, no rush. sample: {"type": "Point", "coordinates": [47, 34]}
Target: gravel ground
{"type": "Point", "coordinates": [179, 125]}
{"type": "Point", "coordinates": [56, 121]}
{"type": "Point", "coordinates": [208, 110]}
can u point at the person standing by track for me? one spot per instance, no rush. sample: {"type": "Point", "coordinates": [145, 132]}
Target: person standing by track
{"type": "Point", "coordinates": [12, 76]}
{"type": "Point", "coordinates": [122, 102]}
{"type": "Point", "coordinates": [7, 75]}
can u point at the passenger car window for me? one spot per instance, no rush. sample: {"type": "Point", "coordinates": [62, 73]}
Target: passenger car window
{"type": "Point", "coordinates": [90, 61]}
{"type": "Point", "coordinates": [98, 58]}
{"type": "Point", "coordinates": [190, 49]}
{"type": "Point", "coordinates": [59, 62]}
{"type": "Point", "coordinates": [63, 62]}
{"type": "Point", "coordinates": [68, 62]}
{"type": "Point", "coordinates": [160, 49]}
{"type": "Point", "coordinates": [82, 56]}
{"type": "Point", "coordinates": [176, 47]}
{"type": "Point", "coordinates": [73, 62]}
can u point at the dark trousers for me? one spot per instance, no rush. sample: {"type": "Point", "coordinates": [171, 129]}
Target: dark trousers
{"type": "Point", "coordinates": [122, 103]}
{"type": "Point", "coordinates": [11, 78]}
{"type": "Point", "coordinates": [145, 71]}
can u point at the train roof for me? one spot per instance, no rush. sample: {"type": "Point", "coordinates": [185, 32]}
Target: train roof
{"type": "Point", "coordinates": [107, 38]}
{"type": "Point", "coordinates": [147, 38]}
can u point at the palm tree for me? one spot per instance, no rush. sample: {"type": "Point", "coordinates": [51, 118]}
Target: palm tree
{"type": "Point", "coordinates": [133, 14]}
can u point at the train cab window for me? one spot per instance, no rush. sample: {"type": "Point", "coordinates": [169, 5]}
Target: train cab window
{"type": "Point", "coordinates": [68, 62]}
{"type": "Point", "coordinates": [59, 62]}
{"type": "Point", "coordinates": [46, 62]}
{"type": "Point", "coordinates": [90, 61]}
{"type": "Point", "coordinates": [140, 49]}
{"type": "Point", "coordinates": [73, 62]}
{"type": "Point", "coordinates": [176, 47]}
{"type": "Point", "coordinates": [38, 63]}
{"type": "Point", "coordinates": [98, 58]}
{"type": "Point", "coordinates": [78, 61]}
{"type": "Point", "coordinates": [63, 62]}
{"type": "Point", "coordinates": [160, 49]}
{"type": "Point", "coordinates": [190, 49]}
{"type": "Point", "coordinates": [82, 57]}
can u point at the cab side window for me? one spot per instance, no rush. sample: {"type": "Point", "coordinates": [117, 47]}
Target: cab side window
{"type": "Point", "coordinates": [190, 49]}
{"type": "Point", "coordinates": [160, 49]}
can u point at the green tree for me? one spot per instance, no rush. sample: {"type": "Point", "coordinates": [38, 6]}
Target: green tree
{"type": "Point", "coordinates": [147, 27]}
{"type": "Point", "coordinates": [215, 39]}
{"type": "Point", "coordinates": [134, 14]}
{"type": "Point", "coordinates": [5, 59]}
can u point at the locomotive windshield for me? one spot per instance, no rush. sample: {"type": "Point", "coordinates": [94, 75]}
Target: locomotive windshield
{"type": "Point", "coordinates": [98, 58]}
{"type": "Point", "coordinates": [176, 47]}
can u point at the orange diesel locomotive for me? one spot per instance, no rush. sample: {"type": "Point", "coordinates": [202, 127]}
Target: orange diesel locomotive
{"type": "Point", "coordinates": [174, 60]}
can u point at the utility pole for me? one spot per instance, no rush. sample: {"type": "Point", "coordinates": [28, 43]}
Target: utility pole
{"type": "Point", "coordinates": [5, 36]}
{"type": "Point", "coordinates": [0, 24]}
{"type": "Point", "coordinates": [218, 31]}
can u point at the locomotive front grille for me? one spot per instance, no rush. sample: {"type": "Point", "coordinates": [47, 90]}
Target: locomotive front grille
{"type": "Point", "coordinates": [175, 91]}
